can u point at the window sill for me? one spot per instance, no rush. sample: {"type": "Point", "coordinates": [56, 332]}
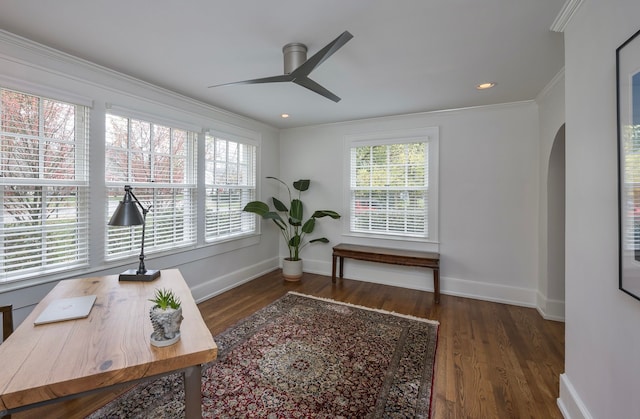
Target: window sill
{"type": "Point", "coordinates": [393, 241]}
{"type": "Point", "coordinates": [168, 258]}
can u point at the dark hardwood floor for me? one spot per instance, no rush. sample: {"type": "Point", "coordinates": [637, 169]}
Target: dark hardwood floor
{"type": "Point", "coordinates": [493, 360]}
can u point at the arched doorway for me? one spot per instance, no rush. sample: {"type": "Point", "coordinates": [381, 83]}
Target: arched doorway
{"type": "Point", "coordinates": [556, 221]}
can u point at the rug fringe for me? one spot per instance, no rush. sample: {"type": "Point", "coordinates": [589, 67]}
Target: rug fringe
{"type": "Point", "coordinates": [393, 313]}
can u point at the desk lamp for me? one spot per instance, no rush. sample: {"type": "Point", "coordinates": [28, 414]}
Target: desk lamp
{"type": "Point", "coordinates": [128, 214]}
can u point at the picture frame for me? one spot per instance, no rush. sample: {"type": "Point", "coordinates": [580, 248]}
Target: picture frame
{"type": "Point", "coordinates": [628, 111]}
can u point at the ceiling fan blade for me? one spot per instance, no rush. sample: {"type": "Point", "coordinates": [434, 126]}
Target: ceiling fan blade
{"type": "Point", "coordinates": [320, 56]}
{"type": "Point", "coordinates": [315, 87]}
{"type": "Point", "coordinates": [273, 79]}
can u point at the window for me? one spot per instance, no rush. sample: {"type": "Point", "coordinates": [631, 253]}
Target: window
{"type": "Point", "coordinates": [393, 185]}
{"type": "Point", "coordinates": [159, 163]}
{"type": "Point", "coordinates": [44, 185]}
{"type": "Point", "coordinates": [230, 182]}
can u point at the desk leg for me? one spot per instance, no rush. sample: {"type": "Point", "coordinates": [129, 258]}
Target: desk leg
{"type": "Point", "coordinates": [436, 285]}
{"type": "Point", "coordinates": [333, 269]}
{"type": "Point", "coordinates": [193, 392]}
{"type": "Point", "coordinates": [341, 266]}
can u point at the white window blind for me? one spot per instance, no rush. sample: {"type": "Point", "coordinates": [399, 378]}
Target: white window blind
{"type": "Point", "coordinates": [44, 185]}
{"type": "Point", "coordinates": [159, 163]}
{"type": "Point", "coordinates": [390, 190]}
{"type": "Point", "coordinates": [230, 182]}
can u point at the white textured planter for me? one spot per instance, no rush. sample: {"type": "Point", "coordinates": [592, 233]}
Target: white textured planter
{"type": "Point", "coordinates": [166, 326]}
{"type": "Point", "coordinates": [292, 269]}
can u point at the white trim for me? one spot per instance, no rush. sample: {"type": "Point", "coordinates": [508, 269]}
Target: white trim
{"type": "Point", "coordinates": [497, 293]}
{"type": "Point", "coordinates": [432, 136]}
{"type": "Point", "coordinates": [549, 87]}
{"type": "Point", "coordinates": [391, 240]}
{"type": "Point", "coordinates": [550, 309]}
{"type": "Point", "coordinates": [168, 258]}
{"type": "Point", "coordinates": [116, 82]}
{"type": "Point", "coordinates": [229, 130]}
{"type": "Point", "coordinates": [566, 13]}
{"type": "Point", "coordinates": [252, 185]}
{"type": "Point", "coordinates": [385, 137]}
{"type": "Point", "coordinates": [127, 112]}
{"type": "Point", "coordinates": [54, 254]}
{"type": "Point", "coordinates": [420, 279]}
{"type": "Point", "coordinates": [570, 404]}
{"type": "Point", "coordinates": [403, 117]}
{"type": "Point", "coordinates": [44, 182]}
{"type": "Point", "coordinates": [42, 90]}
{"type": "Point", "coordinates": [216, 286]}
{"type": "Point", "coordinates": [253, 139]}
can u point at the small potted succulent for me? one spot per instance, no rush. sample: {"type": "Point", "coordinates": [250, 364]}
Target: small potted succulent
{"type": "Point", "coordinates": [166, 317]}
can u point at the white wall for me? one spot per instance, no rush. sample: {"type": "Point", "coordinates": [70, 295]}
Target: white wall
{"type": "Point", "coordinates": [208, 270]}
{"type": "Point", "coordinates": [602, 350]}
{"type": "Point", "coordinates": [489, 187]}
{"type": "Point", "coordinates": [551, 211]}
{"type": "Point", "coordinates": [490, 177]}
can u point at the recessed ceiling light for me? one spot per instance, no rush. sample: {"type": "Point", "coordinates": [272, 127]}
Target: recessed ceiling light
{"type": "Point", "coordinates": [285, 115]}
{"type": "Point", "coordinates": [484, 86]}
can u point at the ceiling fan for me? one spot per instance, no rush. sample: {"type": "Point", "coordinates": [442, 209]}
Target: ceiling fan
{"type": "Point", "coordinates": [297, 67]}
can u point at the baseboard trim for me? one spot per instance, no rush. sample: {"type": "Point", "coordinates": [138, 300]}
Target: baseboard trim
{"type": "Point", "coordinates": [550, 309]}
{"type": "Point", "coordinates": [488, 292]}
{"type": "Point", "coordinates": [569, 402]}
{"type": "Point", "coordinates": [420, 279]}
{"type": "Point", "coordinates": [215, 286]}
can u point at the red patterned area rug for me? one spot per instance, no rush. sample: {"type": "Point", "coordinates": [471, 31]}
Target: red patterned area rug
{"type": "Point", "coordinates": [305, 357]}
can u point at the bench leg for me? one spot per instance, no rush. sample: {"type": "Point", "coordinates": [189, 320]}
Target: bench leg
{"type": "Point", "coordinates": [436, 285]}
{"type": "Point", "coordinates": [333, 269]}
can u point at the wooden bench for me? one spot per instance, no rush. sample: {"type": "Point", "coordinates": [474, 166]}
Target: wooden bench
{"type": "Point", "coordinates": [385, 255]}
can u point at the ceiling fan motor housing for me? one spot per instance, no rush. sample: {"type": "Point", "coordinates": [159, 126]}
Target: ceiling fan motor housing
{"type": "Point", "coordinates": [295, 54]}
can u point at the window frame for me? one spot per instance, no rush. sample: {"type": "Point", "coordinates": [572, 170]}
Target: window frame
{"type": "Point", "coordinates": [80, 182]}
{"type": "Point", "coordinates": [154, 111]}
{"type": "Point", "coordinates": [238, 139]}
{"type": "Point", "coordinates": [430, 135]}
{"type": "Point", "coordinates": [114, 190]}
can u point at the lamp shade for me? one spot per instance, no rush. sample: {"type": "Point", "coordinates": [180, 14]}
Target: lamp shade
{"type": "Point", "coordinates": [127, 213]}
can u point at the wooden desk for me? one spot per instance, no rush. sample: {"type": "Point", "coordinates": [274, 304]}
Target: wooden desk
{"type": "Point", "coordinates": [50, 362]}
{"type": "Point", "coordinates": [386, 255]}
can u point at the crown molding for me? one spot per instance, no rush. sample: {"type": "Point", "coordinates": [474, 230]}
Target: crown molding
{"type": "Point", "coordinates": [105, 78]}
{"type": "Point", "coordinates": [565, 15]}
{"type": "Point", "coordinates": [555, 80]}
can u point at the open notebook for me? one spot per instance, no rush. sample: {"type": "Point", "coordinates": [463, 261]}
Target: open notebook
{"type": "Point", "coordinates": [66, 309]}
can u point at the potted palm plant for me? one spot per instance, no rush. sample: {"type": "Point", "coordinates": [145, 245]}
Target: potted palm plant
{"type": "Point", "coordinates": [295, 228]}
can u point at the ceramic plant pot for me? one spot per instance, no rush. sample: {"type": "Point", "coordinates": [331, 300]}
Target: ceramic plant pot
{"type": "Point", "coordinates": [166, 325]}
{"type": "Point", "coordinates": [292, 269]}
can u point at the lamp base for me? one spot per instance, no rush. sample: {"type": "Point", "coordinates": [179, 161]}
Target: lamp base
{"type": "Point", "coordinates": [133, 275]}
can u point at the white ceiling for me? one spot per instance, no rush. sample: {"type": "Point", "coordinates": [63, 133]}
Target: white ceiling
{"type": "Point", "coordinates": [406, 56]}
